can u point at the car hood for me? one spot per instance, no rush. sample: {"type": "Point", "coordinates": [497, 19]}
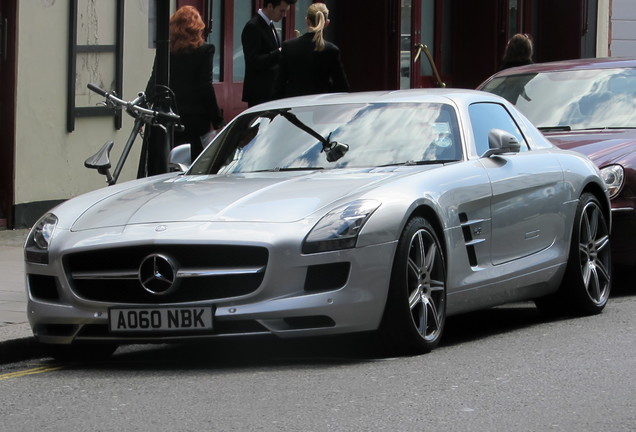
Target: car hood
{"type": "Point", "coordinates": [603, 147]}
{"type": "Point", "coordinates": [266, 197]}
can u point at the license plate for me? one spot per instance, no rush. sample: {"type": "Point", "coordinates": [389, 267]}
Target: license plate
{"type": "Point", "coordinates": [160, 319]}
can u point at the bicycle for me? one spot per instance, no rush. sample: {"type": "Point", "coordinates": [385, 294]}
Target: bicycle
{"type": "Point", "coordinates": [136, 108]}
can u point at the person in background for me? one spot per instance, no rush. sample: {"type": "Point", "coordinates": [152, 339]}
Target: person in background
{"type": "Point", "coordinates": [518, 51]}
{"type": "Point", "coordinates": [190, 79]}
{"type": "Point", "coordinates": [261, 51]}
{"type": "Point", "coordinates": [310, 64]}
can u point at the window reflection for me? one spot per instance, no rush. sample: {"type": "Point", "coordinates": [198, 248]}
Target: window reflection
{"type": "Point", "coordinates": [376, 135]}
{"type": "Point", "coordinates": [583, 99]}
{"type": "Point", "coordinates": [428, 34]}
{"type": "Point", "coordinates": [215, 38]}
{"type": "Point", "coordinates": [405, 45]}
{"type": "Point", "coordinates": [300, 15]}
{"type": "Point", "coordinates": [242, 14]}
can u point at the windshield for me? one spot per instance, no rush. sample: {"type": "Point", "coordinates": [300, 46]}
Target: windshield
{"type": "Point", "coordinates": [334, 136]}
{"type": "Point", "coordinates": [571, 100]}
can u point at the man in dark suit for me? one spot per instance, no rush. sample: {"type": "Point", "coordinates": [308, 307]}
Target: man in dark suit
{"type": "Point", "coordinates": [261, 50]}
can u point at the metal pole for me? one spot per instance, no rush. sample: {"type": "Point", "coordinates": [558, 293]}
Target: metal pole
{"type": "Point", "coordinates": [161, 140]}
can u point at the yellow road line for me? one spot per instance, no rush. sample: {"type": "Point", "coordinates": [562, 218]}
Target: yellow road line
{"type": "Point", "coordinates": [29, 372]}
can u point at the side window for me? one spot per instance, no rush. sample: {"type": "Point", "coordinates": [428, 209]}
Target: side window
{"type": "Point", "coordinates": [487, 116]}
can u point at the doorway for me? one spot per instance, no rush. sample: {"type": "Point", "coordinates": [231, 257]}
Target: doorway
{"type": "Point", "coordinates": [8, 17]}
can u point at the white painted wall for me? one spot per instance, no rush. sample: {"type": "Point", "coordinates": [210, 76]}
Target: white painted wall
{"type": "Point", "coordinates": [603, 28]}
{"type": "Point", "coordinates": [623, 30]}
{"type": "Point", "coordinates": [49, 161]}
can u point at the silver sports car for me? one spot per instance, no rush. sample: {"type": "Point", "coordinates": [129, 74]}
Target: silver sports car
{"type": "Point", "coordinates": [381, 212]}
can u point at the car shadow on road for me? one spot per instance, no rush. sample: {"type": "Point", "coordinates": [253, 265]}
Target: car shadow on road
{"type": "Point", "coordinates": [503, 319]}
{"type": "Point", "coordinates": [270, 352]}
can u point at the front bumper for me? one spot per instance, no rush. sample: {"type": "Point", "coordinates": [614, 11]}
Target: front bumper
{"type": "Point", "coordinates": [284, 304]}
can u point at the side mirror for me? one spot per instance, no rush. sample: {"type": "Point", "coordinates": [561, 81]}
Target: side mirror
{"type": "Point", "coordinates": [501, 142]}
{"type": "Point", "coordinates": [179, 157]}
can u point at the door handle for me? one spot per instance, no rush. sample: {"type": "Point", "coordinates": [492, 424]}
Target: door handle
{"type": "Point", "coordinates": [421, 47]}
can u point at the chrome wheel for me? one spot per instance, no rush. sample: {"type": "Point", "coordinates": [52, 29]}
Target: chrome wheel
{"type": "Point", "coordinates": [426, 284]}
{"type": "Point", "coordinates": [594, 253]}
{"type": "Point", "coordinates": [586, 286]}
{"type": "Point", "coordinates": [415, 311]}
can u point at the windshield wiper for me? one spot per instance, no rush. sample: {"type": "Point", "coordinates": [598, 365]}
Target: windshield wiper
{"type": "Point", "coordinates": [281, 169]}
{"type": "Point", "coordinates": [555, 128]}
{"type": "Point", "coordinates": [334, 150]}
{"type": "Point", "coordinates": [420, 162]}
{"type": "Point", "coordinates": [608, 128]}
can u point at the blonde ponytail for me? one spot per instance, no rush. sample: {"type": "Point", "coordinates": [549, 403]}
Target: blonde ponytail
{"type": "Point", "coordinates": [317, 14]}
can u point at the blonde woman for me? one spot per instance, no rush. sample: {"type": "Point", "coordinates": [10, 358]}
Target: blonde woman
{"type": "Point", "coordinates": [310, 64]}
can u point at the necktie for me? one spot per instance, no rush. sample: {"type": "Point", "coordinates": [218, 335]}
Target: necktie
{"type": "Point", "coordinates": [271, 24]}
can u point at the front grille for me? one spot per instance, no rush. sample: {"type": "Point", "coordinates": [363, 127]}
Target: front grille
{"type": "Point", "coordinates": [205, 272]}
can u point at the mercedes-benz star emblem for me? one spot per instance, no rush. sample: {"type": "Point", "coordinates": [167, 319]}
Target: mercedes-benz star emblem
{"type": "Point", "coordinates": [158, 274]}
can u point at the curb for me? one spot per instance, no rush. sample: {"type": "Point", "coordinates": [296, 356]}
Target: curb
{"type": "Point", "coordinates": [17, 343]}
{"type": "Point", "coordinates": [16, 350]}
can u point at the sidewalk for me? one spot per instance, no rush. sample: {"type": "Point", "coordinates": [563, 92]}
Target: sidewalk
{"type": "Point", "coordinates": [16, 338]}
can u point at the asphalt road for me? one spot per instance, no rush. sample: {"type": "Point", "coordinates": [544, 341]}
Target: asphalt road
{"type": "Point", "coordinates": [504, 369]}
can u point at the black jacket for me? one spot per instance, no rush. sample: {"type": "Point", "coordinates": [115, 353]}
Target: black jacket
{"type": "Point", "coordinates": [261, 60]}
{"type": "Point", "coordinates": [305, 71]}
{"type": "Point", "coordinates": [191, 82]}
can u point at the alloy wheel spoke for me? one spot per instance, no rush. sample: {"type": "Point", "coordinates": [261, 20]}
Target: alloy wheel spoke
{"type": "Point", "coordinates": [416, 260]}
{"type": "Point", "coordinates": [429, 259]}
{"type": "Point", "coordinates": [420, 248]}
{"type": "Point", "coordinates": [423, 325]}
{"type": "Point", "coordinates": [601, 243]}
{"type": "Point", "coordinates": [413, 268]}
{"type": "Point", "coordinates": [603, 273]}
{"type": "Point", "coordinates": [437, 285]}
{"type": "Point", "coordinates": [594, 288]}
{"type": "Point", "coordinates": [590, 224]}
{"type": "Point", "coordinates": [433, 311]}
{"type": "Point", "coordinates": [587, 273]}
{"type": "Point", "coordinates": [415, 298]}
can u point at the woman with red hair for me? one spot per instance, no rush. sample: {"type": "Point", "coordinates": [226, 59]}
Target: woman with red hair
{"type": "Point", "coordinates": [190, 79]}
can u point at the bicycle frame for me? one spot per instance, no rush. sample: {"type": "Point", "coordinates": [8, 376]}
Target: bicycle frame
{"type": "Point", "coordinates": [168, 121]}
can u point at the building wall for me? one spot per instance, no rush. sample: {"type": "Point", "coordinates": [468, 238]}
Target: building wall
{"type": "Point", "coordinates": [49, 160]}
{"type": "Point", "coordinates": [623, 22]}
{"type": "Point", "coordinates": [603, 28]}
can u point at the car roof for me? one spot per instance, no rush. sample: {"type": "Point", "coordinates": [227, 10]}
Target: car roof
{"type": "Point", "coordinates": [440, 95]}
{"type": "Point", "coordinates": [574, 64]}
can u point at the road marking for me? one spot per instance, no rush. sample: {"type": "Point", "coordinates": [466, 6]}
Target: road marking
{"type": "Point", "coordinates": [38, 370]}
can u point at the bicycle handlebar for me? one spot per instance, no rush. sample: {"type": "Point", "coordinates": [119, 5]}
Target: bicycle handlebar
{"type": "Point", "coordinates": [97, 90]}
{"type": "Point", "coordinates": [133, 106]}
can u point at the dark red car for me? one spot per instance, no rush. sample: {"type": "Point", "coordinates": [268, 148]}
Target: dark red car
{"type": "Point", "coordinates": [586, 105]}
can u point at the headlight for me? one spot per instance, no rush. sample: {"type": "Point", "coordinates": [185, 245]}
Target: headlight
{"type": "Point", "coordinates": [339, 229]}
{"type": "Point", "coordinates": [613, 176]}
{"type": "Point", "coordinates": [37, 245]}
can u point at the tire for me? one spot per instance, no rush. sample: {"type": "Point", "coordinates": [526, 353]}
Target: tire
{"type": "Point", "coordinates": [415, 313]}
{"type": "Point", "coordinates": [81, 352]}
{"type": "Point", "coordinates": [587, 283]}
